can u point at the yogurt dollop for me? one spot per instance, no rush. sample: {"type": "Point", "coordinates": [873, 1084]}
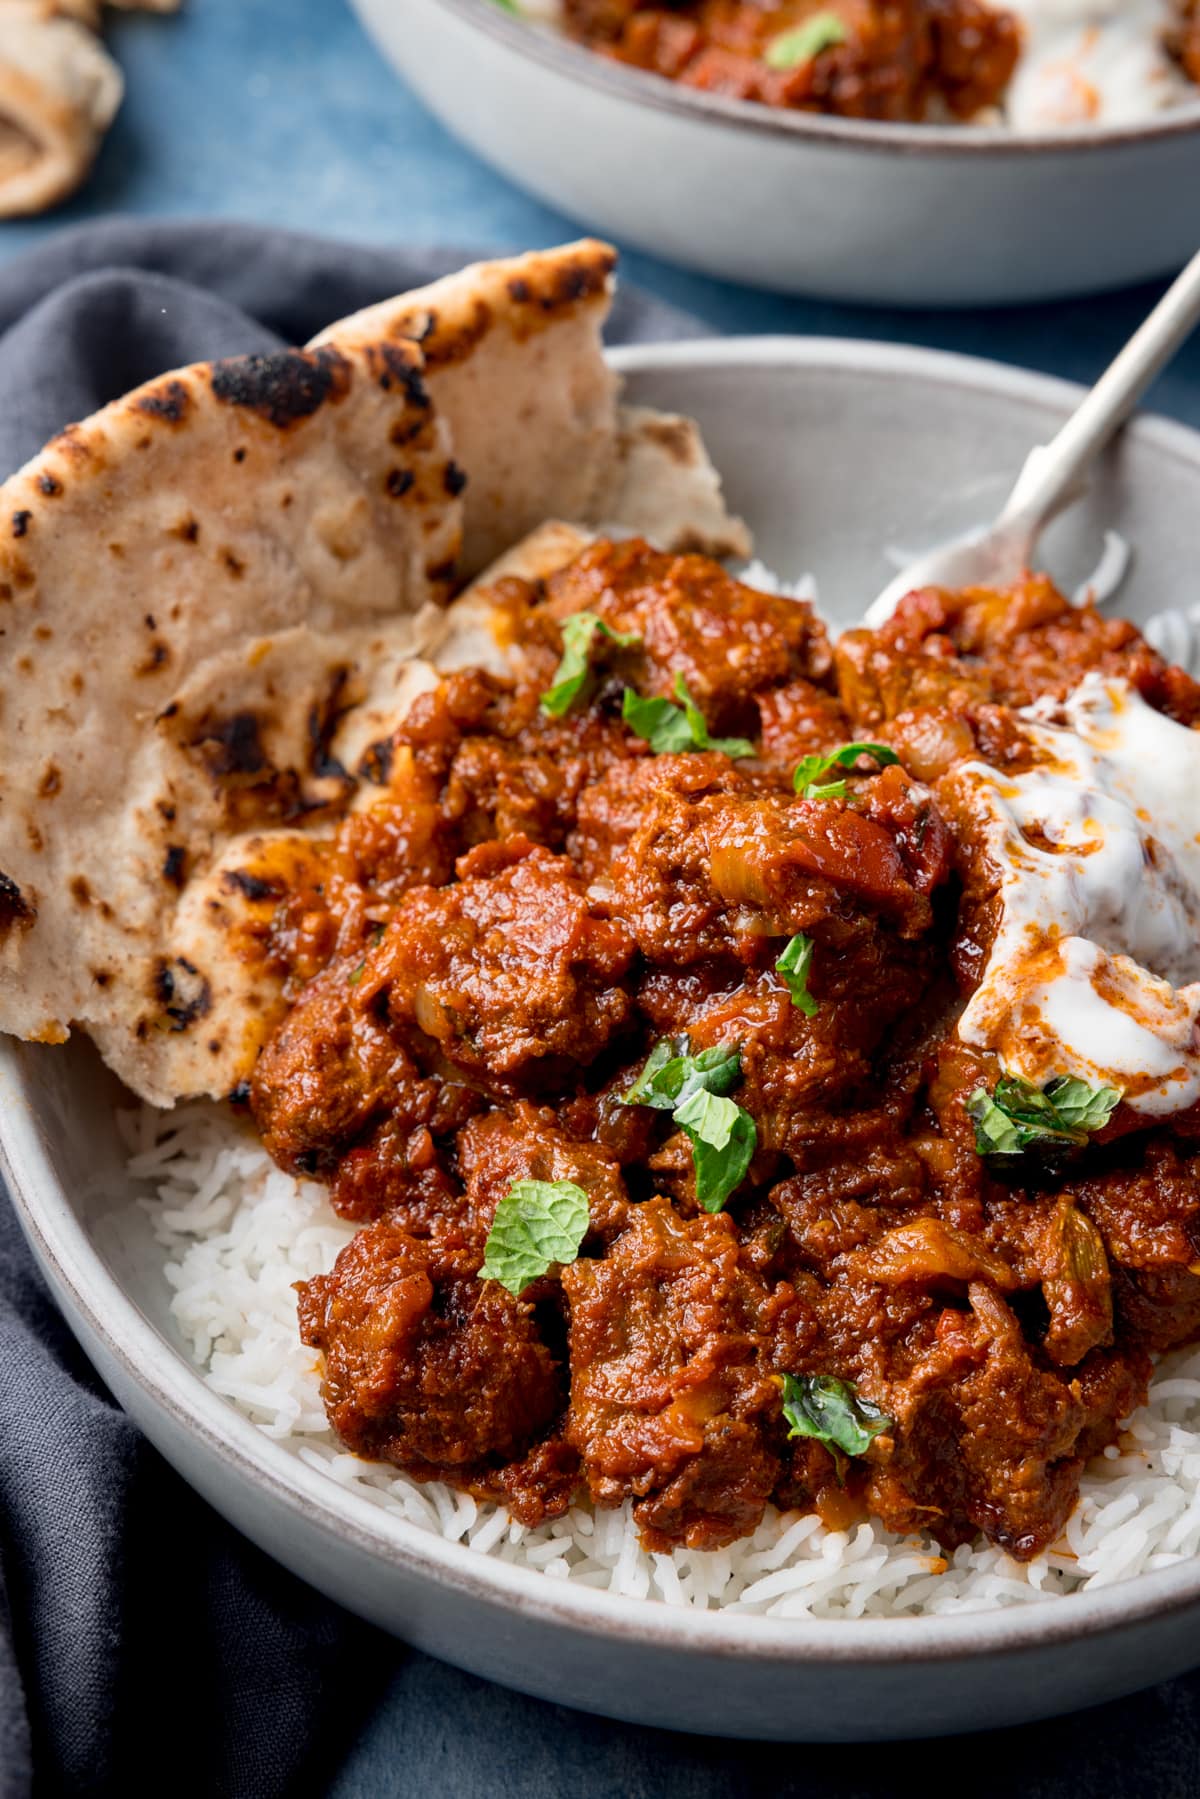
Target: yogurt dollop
{"type": "Point", "coordinates": [1094, 970]}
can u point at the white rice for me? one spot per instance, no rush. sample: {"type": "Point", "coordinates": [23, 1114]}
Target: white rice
{"type": "Point", "coordinates": [237, 1232]}
{"type": "Point", "coordinates": [1093, 62]}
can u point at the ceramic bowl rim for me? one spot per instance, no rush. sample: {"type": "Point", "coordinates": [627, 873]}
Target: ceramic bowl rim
{"type": "Point", "coordinates": [638, 87]}
{"type": "Point", "coordinates": [95, 1299]}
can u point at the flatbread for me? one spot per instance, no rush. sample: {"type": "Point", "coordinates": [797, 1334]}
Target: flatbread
{"type": "Point", "coordinates": [515, 363]}
{"type": "Point", "coordinates": [185, 584]}
{"type": "Point", "coordinates": [59, 92]}
{"type": "Point", "coordinates": [663, 487]}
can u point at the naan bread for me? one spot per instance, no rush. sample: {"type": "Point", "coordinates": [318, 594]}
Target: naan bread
{"type": "Point", "coordinates": [515, 364]}
{"type": "Point", "coordinates": [220, 597]}
{"type": "Point", "coordinates": [186, 581]}
{"type": "Point", "coordinates": [59, 92]}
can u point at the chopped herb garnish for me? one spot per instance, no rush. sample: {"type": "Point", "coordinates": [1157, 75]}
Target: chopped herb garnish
{"type": "Point", "coordinates": [1019, 1115]}
{"type": "Point", "coordinates": [672, 1075]}
{"type": "Point", "coordinates": [574, 674]}
{"type": "Point", "coordinates": [508, 6]}
{"type": "Point", "coordinates": [537, 1224]}
{"type": "Point", "coordinates": [794, 965]}
{"type": "Point", "coordinates": [809, 770]}
{"type": "Point", "coordinates": [791, 48]}
{"type": "Point", "coordinates": [723, 1138]}
{"type": "Point", "coordinates": [694, 1089]}
{"type": "Point", "coordinates": [670, 729]}
{"type": "Point", "coordinates": [832, 1411]}
{"type": "Point", "coordinates": [356, 977]}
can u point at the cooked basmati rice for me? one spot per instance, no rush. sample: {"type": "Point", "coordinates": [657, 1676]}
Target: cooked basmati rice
{"type": "Point", "coordinates": [237, 1232]}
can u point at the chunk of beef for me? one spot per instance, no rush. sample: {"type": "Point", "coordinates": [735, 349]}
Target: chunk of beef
{"type": "Point", "coordinates": [793, 1062]}
{"type": "Point", "coordinates": [507, 975]}
{"type": "Point", "coordinates": [989, 1440]}
{"type": "Point", "coordinates": [798, 719]}
{"type": "Point", "coordinates": [959, 651]}
{"type": "Point", "coordinates": [613, 810]}
{"type": "Point", "coordinates": [727, 640]}
{"type": "Point", "coordinates": [1147, 1210]}
{"type": "Point", "coordinates": [527, 1144]}
{"type": "Point", "coordinates": [716, 875]}
{"type": "Point", "coordinates": [326, 1074]}
{"type": "Point", "coordinates": [424, 1364]}
{"type": "Point", "coordinates": [667, 1401]}
{"type": "Point", "coordinates": [891, 59]}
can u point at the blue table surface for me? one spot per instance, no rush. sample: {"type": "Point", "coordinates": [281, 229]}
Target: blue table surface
{"type": "Point", "coordinates": [280, 110]}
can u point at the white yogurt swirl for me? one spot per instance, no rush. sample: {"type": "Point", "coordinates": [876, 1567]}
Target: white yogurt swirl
{"type": "Point", "coordinates": [1095, 967]}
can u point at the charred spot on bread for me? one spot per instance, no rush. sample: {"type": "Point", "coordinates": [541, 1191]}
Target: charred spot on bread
{"type": "Point", "coordinates": [250, 886]}
{"type": "Point", "coordinates": [375, 765]}
{"type": "Point", "coordinates": [15, 909]}
{"type": "Point", "coordinates": [284, 386]}
{"type": "Point", "coordinates": [232, 747]}
{"type": "Point", "coordinates": [175, 864]}
{"type": "Point", "coordinates": [398, 365]}
{"type": "Point", "coordinates": [170, 402]}
{"type": "Point", "coordinates": [183, 993]}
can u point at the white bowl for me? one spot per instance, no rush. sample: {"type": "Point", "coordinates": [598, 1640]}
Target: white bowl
{"type": "Point", "coordinates": [897, 214]}
{"type": "Point", "coordinates": [832, 450]}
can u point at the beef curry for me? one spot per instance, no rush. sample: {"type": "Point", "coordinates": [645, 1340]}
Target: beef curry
{"type": "Point", "coordinates": [625, 1025]}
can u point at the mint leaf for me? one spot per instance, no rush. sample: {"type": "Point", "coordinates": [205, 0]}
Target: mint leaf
{"type": "Point", "coordinates": [537, 1224]}
{"type": "Point", "coordinates": [1080, 1107]}
{"type": "Point", "coordinates": [672, 1075]}
{"type": "Point", "coordinates": [671, 729]}
{"type": "Point", "coordinates": [573, 673]}
{"type": "Point", "coordinates": [693, 1088]}
{"type": "Point", "coordinates": [794, 965]}
{"type": "Point", "coordinates": [807, 778]}
{"type": "Point", "coordinates": [707, 1117]}
{"type": "Point", "coordinates": [791, 48]}
{"type": "Point", "coordinates": [1019, 1115]}
{"type": "Point", "coordinates": [646, 1090]}
{"type": "Point", "coordinates": [723, 1139]}
{"type": "Point", "coordinates": [832, 1411]}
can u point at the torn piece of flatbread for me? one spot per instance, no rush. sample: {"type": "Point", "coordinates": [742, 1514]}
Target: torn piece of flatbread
{"type": "Point", "coordinates": [186, 581]}
{"type": "Point", "coordinates": [663, 487]}
{"type": "Point", "coordinates": [59, 92]}
{"type": "Point", "coordinates": [515, 363]}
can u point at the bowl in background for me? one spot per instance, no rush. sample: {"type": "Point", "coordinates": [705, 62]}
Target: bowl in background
{"type": "Point", "coordinates": [921, 215]}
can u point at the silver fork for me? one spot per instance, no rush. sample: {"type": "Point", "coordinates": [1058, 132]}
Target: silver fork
{"type": "Point", "coordinates": [1052, 476]}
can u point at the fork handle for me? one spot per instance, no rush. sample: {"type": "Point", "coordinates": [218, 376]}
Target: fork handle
{"type": "Point", "coordinates": [1053, 470]}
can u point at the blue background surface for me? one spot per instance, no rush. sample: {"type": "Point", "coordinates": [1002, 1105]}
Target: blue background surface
{"type": "Point", "coordinates": [279, 110]}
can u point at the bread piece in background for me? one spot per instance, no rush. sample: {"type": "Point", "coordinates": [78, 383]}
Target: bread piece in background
{"type": "Point", "coordinates": [59, 93]}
